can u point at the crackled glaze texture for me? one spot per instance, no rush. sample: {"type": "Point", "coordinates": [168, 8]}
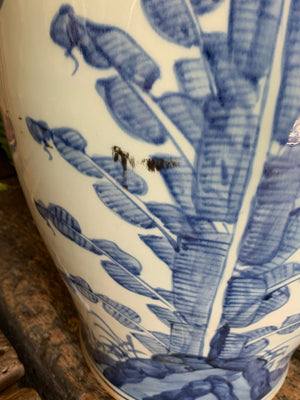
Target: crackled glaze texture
{"type": "Point", "coordinates": [157, 143]}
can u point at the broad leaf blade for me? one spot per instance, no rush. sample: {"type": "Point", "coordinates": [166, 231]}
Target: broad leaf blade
{"type": "Point", "coordinates": [130, 111]}
{"type": "Point", "coordinates": [192, 77]}
{"type": "Point", "coordinates": [252, 23]}
{"type": "Point", "coordinates": [179, 180]}
{"type": "Point", "coordinates": [234, 89]}
{"type": "Point", "coordinates": [186, 113]}
{"type": "Point", "coordinates": [103, 46]}
{"type": "Point", "coordinates": [224, 157]}
{"type": "Point", "coordinates": [171, 19]}
{"type": "Point", "coordinates": [271, 209]}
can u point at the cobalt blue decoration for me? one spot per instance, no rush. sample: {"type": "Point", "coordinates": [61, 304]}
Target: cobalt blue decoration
{"type": "Point", "coordinates": [228, 260]}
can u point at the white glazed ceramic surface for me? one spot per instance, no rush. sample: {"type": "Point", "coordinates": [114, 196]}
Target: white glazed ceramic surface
{"type": "Point", "coordinates": [155, 145]}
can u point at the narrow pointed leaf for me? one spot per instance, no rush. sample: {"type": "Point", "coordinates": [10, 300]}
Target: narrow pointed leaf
{"type": "Point", "coordinates": [71, 138]}
{"type": "Point", "coordinates": [119, 203]}
{"type": "Point", "coordinates": [134, 183]}
{"type": "Point", "coordinates": [127, 280]}
{"type": "Point", "coordinates": [154, 346]}
{"type": "Point", "coordinates": [112, 250]}
{"type": "Point", "coordinates": [160, 247]}
{"type": "Point", "coordinates": [103, 46]}
{"type": "Point", "coordinates": [186, 113]}
{"type": "Point", "coordinates": [171, 19]}
{"type": "Point", "coordinates": [192, 77]}
{"type": "Point", "coordinates": [291, 324]}
{"type": "Point", "coordinates": [79, 284]}
{"type": "Point", "coordinates": [261, 332]}
{"type": "Point", "coordinates": [281, 274]}
{"type": "Point", "coordinates": [66, 224]}
{"type": "Point", "coordinates": [61, 215]}
{"type": "Point", "coordinates": [165, 315]}
{"type": "Point", "coordinates": [254, 348]}
{"type": "Point", "coordinates": [123, 314]}
{"type": "Point", "coordinates": [130, 111]}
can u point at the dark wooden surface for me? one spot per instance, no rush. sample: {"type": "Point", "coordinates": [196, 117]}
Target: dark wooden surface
{"type": "Point", "coordinates": [38, 316]}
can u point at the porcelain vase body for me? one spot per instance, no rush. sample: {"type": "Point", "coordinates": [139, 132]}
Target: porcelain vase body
{"type": "Point", "coordinates": [157, 145]}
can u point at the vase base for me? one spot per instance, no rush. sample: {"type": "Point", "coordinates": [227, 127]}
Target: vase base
{"type": "Point", "coordinates": [118, 394]}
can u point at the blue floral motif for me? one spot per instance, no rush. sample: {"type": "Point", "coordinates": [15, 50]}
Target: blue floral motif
{"type": "Point", "coordinates": [218, 109]}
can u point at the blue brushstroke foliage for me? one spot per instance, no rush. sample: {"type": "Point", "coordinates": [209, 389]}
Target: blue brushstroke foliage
{"type": "Point", "coordinates": [287, 108]}
{"type": "Point", "coordinates": [128, 280]}
{"type": "Point", "coordinates": [272, 205]}
{"type": "Point", "coordinates": [67, 225]}
{"type": "Point", "coordinates": [224, 155]}
{"type": "Point", "coordinates": [130, 111]}
{"type": "Point", "coordinates": [251, 24]}
{"type": "Point", "coordinates": [134, 183]}
{"type": "Point", "coordinates": [122, 205]}
{"type": "Point", "coordinates": [78, 284]}
{"type": "Point", "coordinates": [234, 89]}
{"type": "Point", "coordinates": [291, 324]}
{"type": "Point", "coordinates": [160, 247]}
{"type": "Point", "coordinates": [214, 110]}
{"type": "Point", "coordinates": [205, 6]}
{"type": "Point", "coordinates": [103, 46]}
{"type": "Point", "coordinates": [179, 181]}
{"type": "Point", "coordinates": [72, 145]}
{"type": "Point", "coordinates": [172, 20]}
{"type": "Point", "coordinates": [240, 310]}
{"type": "Point", "coordinates": [192, 77]}
{"type": "Point", "coordinates": [186, 113]}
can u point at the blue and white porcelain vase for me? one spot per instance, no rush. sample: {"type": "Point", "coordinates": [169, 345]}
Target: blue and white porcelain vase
{"type": "Point", "coordinates": [157, 144]}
